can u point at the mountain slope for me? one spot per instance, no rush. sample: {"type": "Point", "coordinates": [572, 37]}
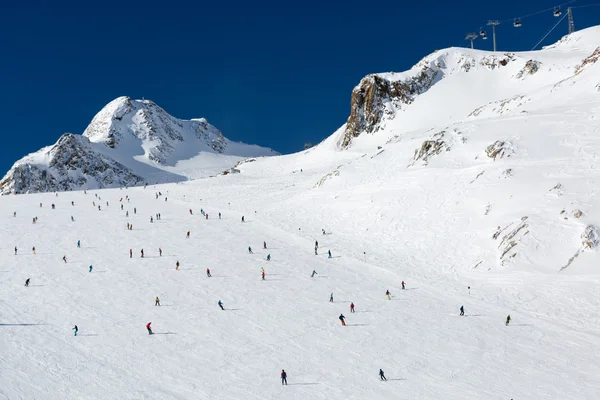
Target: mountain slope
{"type": "Point", "coordinates": [129, 142]}
{"type": "Point", "coordinates": [470, 194]}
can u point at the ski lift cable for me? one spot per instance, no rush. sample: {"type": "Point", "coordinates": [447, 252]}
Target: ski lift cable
{"type": "Point", "coordinates": [542, 11]}
{"type": "Point", "coordinates": [587, 5]}
{"type": "Point", "coordinates": [546, 35]}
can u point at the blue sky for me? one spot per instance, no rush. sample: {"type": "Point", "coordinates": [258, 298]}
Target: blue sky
{"type": "Point", "coordinates": [278, 74]}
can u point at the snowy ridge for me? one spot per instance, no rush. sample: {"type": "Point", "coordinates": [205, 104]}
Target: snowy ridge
{"type": "Point", "coordinates": [129, 142]}
{"type": "Point", "coordinates": [454, 83]}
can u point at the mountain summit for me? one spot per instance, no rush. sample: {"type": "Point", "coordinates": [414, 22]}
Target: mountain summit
{"type": "Point", "coordinates": [129, 142]}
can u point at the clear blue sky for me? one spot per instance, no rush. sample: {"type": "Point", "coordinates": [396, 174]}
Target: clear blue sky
{"type": "Point", "coordinates": [276, 74]}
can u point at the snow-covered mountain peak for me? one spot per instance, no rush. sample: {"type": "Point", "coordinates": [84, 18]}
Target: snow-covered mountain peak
{"type": "Point", "coordinates": [127, 143]}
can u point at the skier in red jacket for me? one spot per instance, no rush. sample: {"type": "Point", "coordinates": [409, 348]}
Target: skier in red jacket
{"type": "Point", "coordinates": [149, 329]}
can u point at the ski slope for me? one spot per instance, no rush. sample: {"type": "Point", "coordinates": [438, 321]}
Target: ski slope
{"type": "Point", "coordinates": [198, 351]}
{"type": "Point", "coordinates": [420, 199]}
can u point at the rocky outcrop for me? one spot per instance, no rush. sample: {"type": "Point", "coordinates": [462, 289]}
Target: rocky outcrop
{"type": "Point", "coordinates": [530, 68]}
{"type": "Point", "coordinates": [376, 97]}
{"type": "Point", "coordinates": [499, 150]}
{"type": "Point", "coordinates": [510, 238]}
{"type": "Point", "coordinates": [590, 238]}
{"type": "Point", "coordinates": [591, 59]}
{"type": "Point", "coordinates": [494, 61]}
{"type": "Point", "coordinates": [73, 164]}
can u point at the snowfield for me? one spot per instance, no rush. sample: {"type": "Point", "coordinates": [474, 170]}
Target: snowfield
{"type": "Point", "coordinates": [491, 205]}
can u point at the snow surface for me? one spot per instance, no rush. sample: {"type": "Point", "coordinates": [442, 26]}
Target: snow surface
{"type": "Point", "coordinates": [508, 228]}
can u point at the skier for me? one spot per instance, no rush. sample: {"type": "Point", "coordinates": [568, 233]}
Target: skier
{"type": "Point", "coordinates": [72, 203]}
{"type": "Point", "coordinates": [160, 251]}
{"type": "Point", "coordinates": [323, 231]}
{"type": "Point", "coordinates": [157, 301]}
{"type": "Point", "coordinates": [268, 257]}
{"type": "Point", "coordinates": [121, 207]}
{"type": "Point", "coordinates": [351, 307]}
{"type": "Point", "coordinates": [462, 310]}
{"type": "Point", "coordinates": [220, 303]}
{"type": "Point", "coordinates": [177, 265]}
{"type": "Point", "coordinates": [151, 220]}
{"type": "Point", "coordinates": [27, 282]}
{"type": "Point", "coordinates": [79, 244]}
{"type": "Point", "coordinates": [507, 319]}
{"type": "Point", "coordinates": [381, 375]}
{"type": "Point", "coordinates": [208, 273]}
{"type": "Point", "coordinates": [134, 210]}
{"type": "Point", "coordinates": [75, 329]}
{"type": "Point", "coordinates": [191, 213]}
{"type": "Point", "coordinates": [65, 259]}
{"type": "Point", "coordinates": [264, 245]}
{"type": "Point", "coordinates": [72, 219]}
{"type": "Point", "coordinates": [91, 268]}
{"type": "Point", "coordinates": [342, 318]}
{"type": "Point", "coordinates": [402, 284]}
{"type": "Point", "coordinates": [142, 253]}
{"type": "Point", "coordinates": [219, 215]}
{"type": "Point", "coordinates": [263, 274]}
{"type": "Point", "coordinates": [130, 253]}
{"type": "Point", "coordinates": [14, 213]}
{"type": "Point", "coordinates": [149, 329]}
{"type": "Point", "coordinates": [283, 377]}
{"type": "Point", "coordinates": [387, 293]}
{"type": "Point", "coordinates": [316, 244]}
{"type": "Point", "coordinates": [313, 274]}
{"type": "Point", "coordinates": [329, 254]}
{"type": "Point", "coordinates": [99, 209]}
{"type": "Point", "coordinates": [242, 218]}
{"type": "Point", "coordinates": [331, 298]}
{"type": "Point", "coordinates": [15, 250]}
{"type": "Point", "coordinates": [206, 215]}
{"type": "Point", "coordinates": [188, 235]}
{"type": "Point", "coordinates": [33, 249]}
{"type": "Point", "coordinates": [127, 213]}
{"type": "Point", "coordinates": [250, 250]}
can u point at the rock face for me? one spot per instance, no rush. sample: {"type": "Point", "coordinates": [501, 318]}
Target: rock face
{"type": "Point", "coordinates": [124, 119]}
{"type": "Point", "coordinates": [72, 164]}
{"type": "Point", "coordinates": [377, 96]}
{"type": "Point", "coordinates": [129, 142]}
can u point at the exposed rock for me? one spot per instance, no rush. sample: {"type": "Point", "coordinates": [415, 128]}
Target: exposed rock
{"type": "Point", "coordinates": [590, 237]}
{"type": "Point", "coordinates": [477, 177]}
{"type": "Point", "coordinates": [431, 147]}
{"type": "Point", "coordinates": [500, 107]}
{"type": "Point", "coordinates": [73, 164]}
{"type": "Point", "coordinates": [494, 61]}
{"type": "Point", "coordinates": [530, 68]}
{"type": "Point", "coordinates": [326, 177]}
{"type": "Point", "coordinates": [591, 59]}
{"type": "Point", "coordinates": [376, 97]}
{"type": "Point", "coordinates": [488, 208]}
{"type": "Point", "coordinates": [510, 239]}
{"type": "Point", "coordinates": [577, 213]}
{"type": "Point", "coordinates": [557, 189]}
{"type": "Point", "coordinates": [499, 150]}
